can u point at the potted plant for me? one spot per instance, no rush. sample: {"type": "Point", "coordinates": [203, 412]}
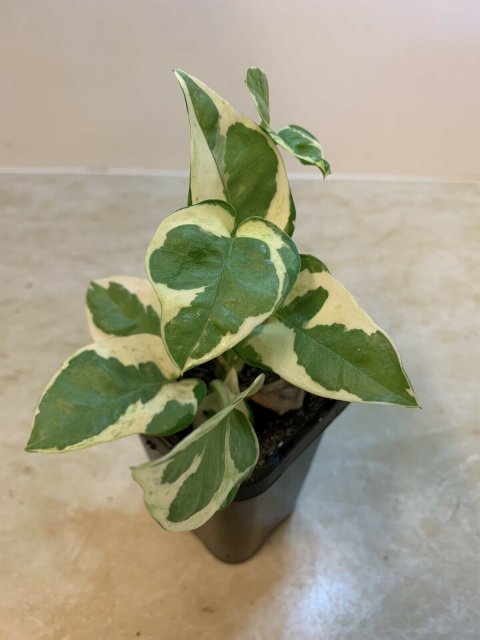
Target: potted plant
{"type": "Point", "coordinates": [178, 358]}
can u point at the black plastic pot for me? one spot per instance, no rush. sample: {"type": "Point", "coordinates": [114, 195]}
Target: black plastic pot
{"type": "Point", "coordinates": [263, 501]}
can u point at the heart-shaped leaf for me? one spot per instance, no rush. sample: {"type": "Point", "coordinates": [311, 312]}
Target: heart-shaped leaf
{"type": "Point", "coordinates": [112, 389]}
{"type": "Point", "coordinates": [216, 281]}
{"type": "Point", "coordinates": [323, 342]}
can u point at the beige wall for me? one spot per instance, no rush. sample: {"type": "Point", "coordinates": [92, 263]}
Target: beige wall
{"type": "Point", "coordinates": [389, 86]}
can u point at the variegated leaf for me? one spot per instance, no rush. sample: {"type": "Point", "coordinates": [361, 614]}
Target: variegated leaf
{"type": "Point", "coordinates": [324, 343]}
{"type": "Point", "coordinates": [257, 84]}
{"type": "Point", "coordinates": [122, 306]}
{"type": "Point", "coordinates": [202, 473]}
{"type": "Point", "coordinates": [233, 159]}
{"type": "Point", "coordinates": [303, 145]}
{"type": "Point", "coordinates": [215, 401]}
{"type": "Point", "coordinates": [294, 139]}
{"type": "Point", "coordinates": [112, 389]}
{"type": "Point", "coordinates": [216, 281]}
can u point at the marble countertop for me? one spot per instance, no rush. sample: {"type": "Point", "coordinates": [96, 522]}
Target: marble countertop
{"type": "Point", "coordinates": [385, 541]}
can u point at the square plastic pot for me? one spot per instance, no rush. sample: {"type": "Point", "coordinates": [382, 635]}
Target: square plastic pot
{"type": "Point", "coordinates": [263, 502]}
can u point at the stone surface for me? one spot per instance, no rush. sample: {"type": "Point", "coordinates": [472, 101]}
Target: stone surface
{"type": "Point", "coordinates": [385, 542]}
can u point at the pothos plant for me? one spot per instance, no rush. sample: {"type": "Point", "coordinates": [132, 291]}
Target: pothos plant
{"type": "Point", "coordinates": [226, 284]}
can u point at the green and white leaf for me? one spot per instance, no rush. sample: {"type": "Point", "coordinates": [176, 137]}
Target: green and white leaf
{"type": "Point", "coordinates": [199, 476]}
{"type": "Point", "coordinates": [232, 384]}
{"type": "Point", "coordinates": [324, 343]}
{"type": "Point", "coordinates": [111, 389]}
{"type": "Point", "coordinates": [215, 399]}
{"type": "Point", "coordinates": [216, 281]}
{"type": "Point", "coordinates": [294, 139]}
{"type": "Point", "coordinates": [303, 145]}
{"type": "Point", "coordinates": [257, 84]}
{"type": "Point", "coordinates": [233, 159]}
{"type": "Point", "coordinates": [122, 306]}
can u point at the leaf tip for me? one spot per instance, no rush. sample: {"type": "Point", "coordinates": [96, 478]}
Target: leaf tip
{"type": "Point", "coordinates": [413, 403]}
{"type": "Point", "coordinates": [324, 167]}
{"type": "Point", "coordinates": [32, 444]}
{"type": "Point", "coordinates": [179, 74]}
{"type": "Point", "coordinates": [256, 385]}
{"type": "Point", "coordinates": [136, 472]}
{"type": "Point", "coordinates": [408, 399]}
